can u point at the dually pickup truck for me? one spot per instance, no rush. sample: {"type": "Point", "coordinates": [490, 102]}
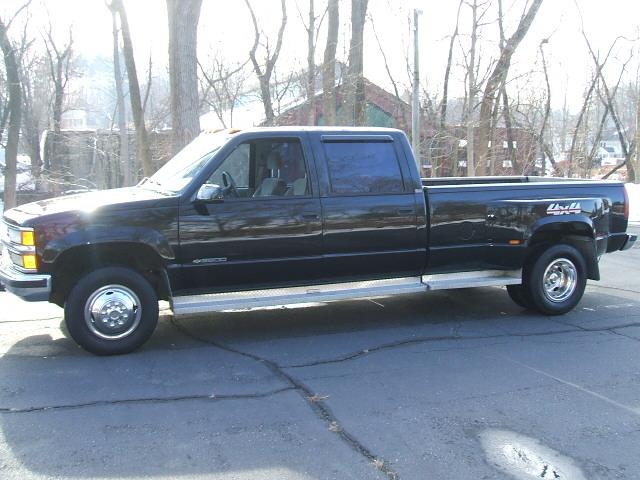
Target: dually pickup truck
{"type": "Point", "coordinates": [277, 216]}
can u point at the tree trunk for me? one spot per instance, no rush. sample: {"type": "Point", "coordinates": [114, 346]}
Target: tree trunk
{"type": "Point", "coordinates": [627, 147]}
{"type": "Point", "coordinates": [15, 112]}
{"type": "Point", "coordinates": [329, 65]}
{"type": "Point", "coordinates": [264, 76]}
{"type": "Point", "coordinates": [447, 72]}
{"type": "Point", "coordinates": [311, 66]}
{"type": "Point", "coordinates": [472, 92]}
{"type": "Point", "coordinates": [142, 141]}
{"type": "Point", "coordinates": [637, 141]}
{"type": "Point", "coordinates": [354, 102]}
{"type": "Point", "coordinates": [122, 114]}
{"type": "Point", "coordinates": [183, 16]}
{"type": "Point", "coordinates": [496, 78]}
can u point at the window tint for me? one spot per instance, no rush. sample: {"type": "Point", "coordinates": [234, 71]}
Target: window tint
{"type": "Point", "coordinates": [363, 167]}
{"type": "Point", "coordinates": [265, 168]}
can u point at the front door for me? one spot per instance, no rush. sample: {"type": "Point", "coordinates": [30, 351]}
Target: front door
{"type": "Point", "coordinates": [267, 227]}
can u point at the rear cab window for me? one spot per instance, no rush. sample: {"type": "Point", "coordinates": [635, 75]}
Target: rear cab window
{"type": "Point", "coordinates": [362, 167]}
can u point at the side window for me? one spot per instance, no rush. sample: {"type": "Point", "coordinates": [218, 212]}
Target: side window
{"type": "Point", "coordinates": [237, 164]}
{"type": "Point", "coordinates": [363, 167]}
{"type": "Point", "coordinates": [264, 168]}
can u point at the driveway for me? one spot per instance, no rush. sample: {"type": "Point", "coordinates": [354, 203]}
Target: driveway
{"type": "Point", "coordinates": [449, 385]}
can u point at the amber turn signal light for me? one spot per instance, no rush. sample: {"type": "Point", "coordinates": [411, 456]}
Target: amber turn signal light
{"type": "Point", "coordinates": [515, 242]}
{"type": "Point", "coordinates": [29, 261]}
{"type": "Point", "coordinates": [27, 238]}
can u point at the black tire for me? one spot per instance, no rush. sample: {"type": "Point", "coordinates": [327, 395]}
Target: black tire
{"type": "Point", "coordinates": [518, 293]}
{"type": "Point", "coordinates": [115, 289]}
{"type": "Point", "coordinates": [563, 291]}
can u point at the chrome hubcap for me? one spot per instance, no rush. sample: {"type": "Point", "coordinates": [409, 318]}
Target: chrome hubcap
{"type": "Point", "coordinates": [560, 280]}
{"type": "Point", "coordinates": [112, 312]}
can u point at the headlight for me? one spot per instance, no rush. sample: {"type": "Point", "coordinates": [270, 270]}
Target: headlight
{"type": "Point", "coordinates": [22, 236]}
{"type": "Point", "coordinates": [20, 243]}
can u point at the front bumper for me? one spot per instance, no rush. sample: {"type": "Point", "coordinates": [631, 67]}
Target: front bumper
{"type": "Point", "coordinates": [628, 243]}
{"type": "Point", "coordinates": [28, 286]}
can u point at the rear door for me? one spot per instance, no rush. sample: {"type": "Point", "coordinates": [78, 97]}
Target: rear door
{"type": "Point", "coordinates": [370, 213]}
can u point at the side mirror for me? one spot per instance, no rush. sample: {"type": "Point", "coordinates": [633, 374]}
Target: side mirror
{"type": "Point", "coordinates": [210, 193]}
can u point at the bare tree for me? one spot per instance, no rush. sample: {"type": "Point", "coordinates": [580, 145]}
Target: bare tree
{"type": "Point", "coordinates": [354, 102]}
{"type": "Point", "coordinates": [264, 71]}
{"type": "Point", "coordinates": [223, 85]}
{"type": "Point", "coordinates": [329, 64]}
{"type": "Point", "coordinates": [447, 72]}
{"type": "Point", "coordinates": [36, 94]}
{"type": "Point", "coordinates": [142, 141]}
{"type": "Point", "coordinates": [312, 26]}
{"type": "Point", "coordinates": [637, 139]}
{"type": "Point", "coordinates": [59, 59]}
{"type": "Point", "coordinates": [496, 79]}
{"type": "Point", "coordinates": [478, 10]}
{"type": "Point", "coordinates": [546, 147]}
{"type": "Point", "coordinates": [120, 104]}
{"type": "Point", "coordinates": [183, 18]}
{"type": "Point", "coordinates": [628, 147]}
{"type": "Point", "coordinates": [14, 107]}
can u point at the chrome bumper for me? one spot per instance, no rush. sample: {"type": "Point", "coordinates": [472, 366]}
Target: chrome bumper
{"type": "Point", "coordinates": [628, 243]}
{"type": "Point", "coordinates": [28, 286]}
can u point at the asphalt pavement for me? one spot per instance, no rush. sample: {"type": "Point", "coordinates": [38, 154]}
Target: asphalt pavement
{"type": "Point", "coordinates": [457, 384]}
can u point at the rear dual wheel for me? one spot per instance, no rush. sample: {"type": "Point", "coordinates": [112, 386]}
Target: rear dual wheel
{"type": "Point", "coordinates": [553, 283]}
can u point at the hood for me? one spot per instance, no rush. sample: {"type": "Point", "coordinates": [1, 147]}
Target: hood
{"type": "Point", "coordinates": [130, 197]}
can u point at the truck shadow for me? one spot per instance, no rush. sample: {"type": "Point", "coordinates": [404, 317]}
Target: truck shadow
{"type": "Point", "coordinates": [151, 413]}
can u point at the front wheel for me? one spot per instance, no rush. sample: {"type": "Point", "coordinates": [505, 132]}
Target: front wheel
{"type": "Point", "coordinates": [556, 281]}
{"type": "Point", "coordinates": [112, 310]}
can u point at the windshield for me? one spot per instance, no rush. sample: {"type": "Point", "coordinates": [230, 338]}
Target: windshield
{"type": "Point", "coordinates": [178, 172]}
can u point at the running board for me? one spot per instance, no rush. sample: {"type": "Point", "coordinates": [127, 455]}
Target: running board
{"type": "Point", "coordinates": [485, 278]}
{"type": "Point", "coordinates": [217, 302]}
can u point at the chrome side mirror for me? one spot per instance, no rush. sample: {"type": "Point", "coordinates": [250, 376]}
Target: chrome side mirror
{"type": "Point", "coordinates": [210, 193]}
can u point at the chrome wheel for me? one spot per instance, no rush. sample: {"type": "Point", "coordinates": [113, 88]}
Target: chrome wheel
{"type": "Point", "coordinates": [112, 312]}
{"type": "Point", "coordinates": [559, 280]}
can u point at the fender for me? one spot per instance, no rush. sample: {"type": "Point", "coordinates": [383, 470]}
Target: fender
{"type": "Point", "coordinates": [108, 235]}
{"type": "Point", "coordinates": [575, 223]}
{"type": "Point", "coordinates": [578, 230]}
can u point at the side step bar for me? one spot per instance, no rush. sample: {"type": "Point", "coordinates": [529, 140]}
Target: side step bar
{"type": "Point", "coordinates": [217, 302]}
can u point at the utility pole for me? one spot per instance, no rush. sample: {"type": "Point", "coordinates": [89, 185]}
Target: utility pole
{"type": "Point", "coordinates": [415, 98]}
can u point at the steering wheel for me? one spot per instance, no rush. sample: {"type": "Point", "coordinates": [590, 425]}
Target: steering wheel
{"type": "Point", "coordinates": [230, 188]}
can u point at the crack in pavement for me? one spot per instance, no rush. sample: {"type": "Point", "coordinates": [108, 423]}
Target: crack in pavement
{"type": "Point", "coordinates": [611, 330]}
{"type": "Point", "coordinates": [440, 338]}
{"type": "Point", "coordinates": [606, 287]}
{"type": "Point", "coordinates": [178, 398]}
{"type": "Point", "coordinates": [316, 403]}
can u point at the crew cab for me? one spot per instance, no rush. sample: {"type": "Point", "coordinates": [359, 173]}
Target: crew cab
{"type": "Point", "coordinates": [277, 216]}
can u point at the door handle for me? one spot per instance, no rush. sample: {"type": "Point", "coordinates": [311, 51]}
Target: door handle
{"type": "Point", "coordinates": [406, 211]}
{"type": "Point", "coordinates": [310, 216]}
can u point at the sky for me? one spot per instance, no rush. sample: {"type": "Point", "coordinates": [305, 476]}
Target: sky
{"type": "Point", "coordinates": [225, 31]}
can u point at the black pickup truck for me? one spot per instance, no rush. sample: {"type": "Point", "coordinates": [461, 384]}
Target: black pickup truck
{"type": "Point", "coordinates": [276, 216]}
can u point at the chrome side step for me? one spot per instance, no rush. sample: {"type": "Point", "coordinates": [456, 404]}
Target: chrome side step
{"type": "Point", "coordinates": [483, 278]}
{"type": "Point", "coordinates": [218, 302]}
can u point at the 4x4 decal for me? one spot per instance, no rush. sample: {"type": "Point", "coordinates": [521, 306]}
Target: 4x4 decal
{"type": "Point", "coordinates": [559, 209]}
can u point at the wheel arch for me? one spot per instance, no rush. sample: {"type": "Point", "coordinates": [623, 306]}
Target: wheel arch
{"type": "Point", "coordinates": [75, 262]}
{"type": "Point", "coordinates": [577, 232]}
